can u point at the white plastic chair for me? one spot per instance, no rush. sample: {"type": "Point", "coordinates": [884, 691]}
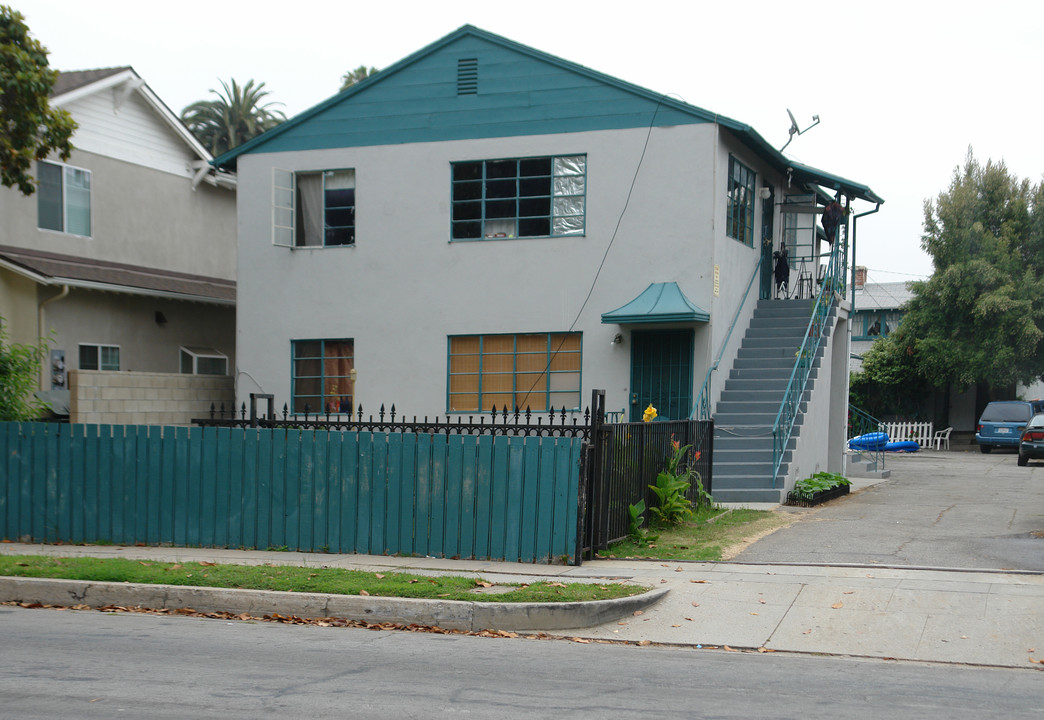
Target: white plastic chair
{"type": "Point", "coordinates": [942, 436]}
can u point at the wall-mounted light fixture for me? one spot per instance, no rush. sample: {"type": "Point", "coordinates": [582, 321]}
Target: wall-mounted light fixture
{"type": "Point", "coordinates": [617, 339]}
{"type": "Point", "coordinates": [765, 193]}
{"type": "Point", "coordinates": [161, 319]}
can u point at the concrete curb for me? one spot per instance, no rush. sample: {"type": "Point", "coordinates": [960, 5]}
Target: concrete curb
{"type": "Point", "coordinates": [449, 614]}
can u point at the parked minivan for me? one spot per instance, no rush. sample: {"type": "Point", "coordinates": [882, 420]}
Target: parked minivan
{"type": "Point", "coordinates": [1002, 422]}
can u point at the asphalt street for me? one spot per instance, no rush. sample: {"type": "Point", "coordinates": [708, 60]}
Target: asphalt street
{"type": "Point", "coordinates": [939, 510]}
{"type": "Point", "coordinates": [92, 665]}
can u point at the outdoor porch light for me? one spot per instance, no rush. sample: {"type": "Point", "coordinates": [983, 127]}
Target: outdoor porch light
{"type": "Point", "coordinates": [617, 339]}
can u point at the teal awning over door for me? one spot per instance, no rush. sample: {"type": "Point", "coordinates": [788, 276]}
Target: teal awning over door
{"type": "Point", "coordinates": [659, 303]}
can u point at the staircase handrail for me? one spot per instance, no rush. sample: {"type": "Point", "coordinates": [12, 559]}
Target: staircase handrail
{"type": "Point", "coordinates": [701, 410]}
{"type": "Point", "coordinates": [863, 422]}
{"type": "Point", "coordinates": [833, 281]}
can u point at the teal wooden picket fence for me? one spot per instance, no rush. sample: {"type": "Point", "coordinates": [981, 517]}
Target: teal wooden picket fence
{"type": "Point", "coordinates": [467, 496]}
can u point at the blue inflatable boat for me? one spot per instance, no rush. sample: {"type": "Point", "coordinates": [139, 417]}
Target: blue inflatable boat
{"type": "Point", "coordinates": [870, 441]}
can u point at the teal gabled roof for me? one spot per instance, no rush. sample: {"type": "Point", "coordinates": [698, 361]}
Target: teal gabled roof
{"type": "Point", "coordinates": [519, 91]}
{"type": "Point", "coordinates": [659, 303]}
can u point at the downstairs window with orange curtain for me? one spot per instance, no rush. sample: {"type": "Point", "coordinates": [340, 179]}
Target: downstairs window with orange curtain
{"type": "Point", "coordinates": [322, 380]}
{"type": "Point", "coordinates": [538, 371]}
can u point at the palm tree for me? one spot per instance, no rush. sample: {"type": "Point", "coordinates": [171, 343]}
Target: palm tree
{"type": "Point", "coordinates": [357, 75]}
{"type": "Point", "coordinates": [237, 115]}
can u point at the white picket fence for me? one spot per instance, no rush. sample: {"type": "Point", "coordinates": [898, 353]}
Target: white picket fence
{"type": "Point", "coordinates": [920, 432]}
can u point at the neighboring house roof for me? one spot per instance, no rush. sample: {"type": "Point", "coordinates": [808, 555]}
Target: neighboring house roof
{"type": "Point", "coordinates": [73, 80]}
{"type": "Point", "coordinates": [122, 81]}
{"type": "Point", "coordinates": [882, 296]}
{"type": "Point", "coordinates": [658, 303]}
{"type": "Point", "coordinates": [54, 269]}
{"type": "Point", "coordinates": [437, 94]}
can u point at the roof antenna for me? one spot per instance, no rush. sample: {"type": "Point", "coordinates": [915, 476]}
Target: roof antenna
{"type": "Point", "coordinates": [794, 128]}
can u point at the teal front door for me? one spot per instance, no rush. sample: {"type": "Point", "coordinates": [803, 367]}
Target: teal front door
{"type": "Point", "coordinates": [661, 373]}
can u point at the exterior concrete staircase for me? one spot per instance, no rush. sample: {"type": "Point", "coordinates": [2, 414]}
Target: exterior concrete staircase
{"type": "Point", "coordinates": [750, 400]}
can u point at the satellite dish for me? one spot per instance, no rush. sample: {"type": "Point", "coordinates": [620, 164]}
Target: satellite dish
{"type": "Point", "coordinates": [795, 130]}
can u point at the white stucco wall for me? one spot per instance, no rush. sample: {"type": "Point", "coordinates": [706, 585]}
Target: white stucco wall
{"type": "Point", "coordinates": [404, 286]}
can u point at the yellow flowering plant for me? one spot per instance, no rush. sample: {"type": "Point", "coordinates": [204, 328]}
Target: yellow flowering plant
{"type": "Point", "coordinates": [650, 414]}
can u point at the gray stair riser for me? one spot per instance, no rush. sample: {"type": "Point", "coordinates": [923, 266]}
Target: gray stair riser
{"type": "Point", "coordinates": [749, 496]}
{"type": "Point", "coordinates": [757, 395]}
{"type": "Point", "coordinates": [733, 408]}
{"type": "Point", "coordinates": [766, 358]}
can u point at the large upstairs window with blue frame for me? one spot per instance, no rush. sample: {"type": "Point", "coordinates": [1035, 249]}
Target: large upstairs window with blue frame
{"type": "Point", "coordinates": [739, 215]}
{"type": "Point", "coordinates": [521, 197]}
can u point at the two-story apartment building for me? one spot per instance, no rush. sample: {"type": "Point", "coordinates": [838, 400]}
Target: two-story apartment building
{"type": "Point", "coordinates": [123, 259]}
{"type": "Point", "coordinates": [485, 225]}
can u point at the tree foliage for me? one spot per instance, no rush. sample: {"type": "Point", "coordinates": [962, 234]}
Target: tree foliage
{"type": "Point", "coordinates": [980, 317]}
{"type": "Point", "coordinates": [30, 129]}
{"type": "Point", "coordinates": [235, 116]}
{"type": "Point", "coordinates": [19, 372]}
{"type": "Point", "coordinates": [357, 75]}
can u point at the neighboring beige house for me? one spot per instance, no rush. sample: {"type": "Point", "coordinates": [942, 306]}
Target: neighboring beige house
{"type": "Point", "coordinates": [124, 259]}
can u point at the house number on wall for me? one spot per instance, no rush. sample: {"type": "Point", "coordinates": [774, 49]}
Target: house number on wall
{"type": "Point", "coordinates": [717, 279]}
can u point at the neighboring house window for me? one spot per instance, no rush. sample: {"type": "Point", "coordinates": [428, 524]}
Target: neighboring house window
{"type": "Point", "coordinates": [536, 371]}
{"type": "Point", "coordinates": [99, 357]}
{"type": "Point", "coordinates": [527, 197]}
{"type": "Point", "coordinates": [323, 379]}
{"type": "Point", "coordinates": [63, 198]}
{"type": "Point", "coordinates": [873, 325]}
{"type": "Point", "coordinates": [313, 209]}
{"type": "Point", "coordinates": [739, 221]}
{"type": "Point", "coordinates": [202, 361]}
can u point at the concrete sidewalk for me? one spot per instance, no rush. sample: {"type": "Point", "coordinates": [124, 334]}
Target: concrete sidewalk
{"type": "Point", "coordinates": [933, 615]}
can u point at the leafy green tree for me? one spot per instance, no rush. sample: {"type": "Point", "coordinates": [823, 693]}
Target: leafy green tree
{"type": "Point", "coordinates": [357, 75]}
{"type": "Point", "coordinates": [979, 319]}
{"type": "Point", "coordinates": [235, 116]}
{"type": "Point", "coordinates": [19, 372]}
{"type": "Point", "coordinates": [30, 129]}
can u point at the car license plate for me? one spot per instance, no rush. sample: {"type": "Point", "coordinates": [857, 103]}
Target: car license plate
{"type": "Point", "coordinates": [1003, 431]}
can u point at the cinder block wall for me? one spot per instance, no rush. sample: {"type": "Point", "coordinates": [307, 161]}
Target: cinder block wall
{"type": "Point", "coordinates": [142, 398]}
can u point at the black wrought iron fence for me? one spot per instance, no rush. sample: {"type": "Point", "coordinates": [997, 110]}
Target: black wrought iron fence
{"type": "Point", "coordinates": [559, 423]}
{"type": "Point", "coordinates": [627, 457]}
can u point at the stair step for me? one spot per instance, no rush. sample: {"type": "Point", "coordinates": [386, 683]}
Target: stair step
{"type": "Point", "coordinates": [743, 496]}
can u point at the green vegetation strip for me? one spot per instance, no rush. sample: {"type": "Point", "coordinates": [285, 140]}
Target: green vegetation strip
{"type": "Point", "coordinates": [703, 539]}
{"type": "Point", "coordinates": [313, 580]}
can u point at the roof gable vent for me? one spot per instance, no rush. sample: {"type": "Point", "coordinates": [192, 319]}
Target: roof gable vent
{"type": "Point", "coordinates": [467, 76]}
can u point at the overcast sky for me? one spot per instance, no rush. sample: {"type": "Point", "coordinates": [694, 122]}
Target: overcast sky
{"type": "Point", "coordinates": [902, 88]}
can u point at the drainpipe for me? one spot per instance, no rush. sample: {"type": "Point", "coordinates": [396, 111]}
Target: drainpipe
{"type": "Point", "coordinates": [40, 325]}
{"type": "Point", "coordinates": [851, 317]}
{"type": "Point", "coordinates": [855, 223]}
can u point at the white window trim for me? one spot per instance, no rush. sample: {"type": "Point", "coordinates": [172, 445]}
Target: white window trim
{"type": "Point", "coordinates": [98, 347]}
{"type": "Point", "coordinates": [65, 186]}
{"type": "Point", "coordinates": [205, 353]}
{"type": "Point", "coordinates": [291, 229]}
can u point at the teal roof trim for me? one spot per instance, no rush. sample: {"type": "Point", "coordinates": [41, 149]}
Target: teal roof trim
{"type": "Point", "coordinates": [834, 182]}
{"type": "Point", "coordinates": [659, 303]}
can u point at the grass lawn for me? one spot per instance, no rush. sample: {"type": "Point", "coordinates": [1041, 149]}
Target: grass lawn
{"type": "Point", "coordinates": [707, 537]}
{"type": "Point", "coordinates": [298, 579]}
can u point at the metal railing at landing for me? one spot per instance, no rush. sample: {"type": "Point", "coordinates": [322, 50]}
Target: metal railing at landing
{"type": "Point", "coordinates": [832, 289]}
{"type": "Point", "coordinates": [860, 423]}
{"type": "Point", "coordinates": [702, 408]}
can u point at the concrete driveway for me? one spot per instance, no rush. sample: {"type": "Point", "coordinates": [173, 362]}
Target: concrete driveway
{"type": "Point", "coordinates": [939, 509]}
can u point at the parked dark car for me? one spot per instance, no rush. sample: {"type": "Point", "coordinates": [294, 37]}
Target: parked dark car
{"type": "Point", "coordinates": [1031, 444]}
{"type": "Point", "coordinates": [1002, 423]}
